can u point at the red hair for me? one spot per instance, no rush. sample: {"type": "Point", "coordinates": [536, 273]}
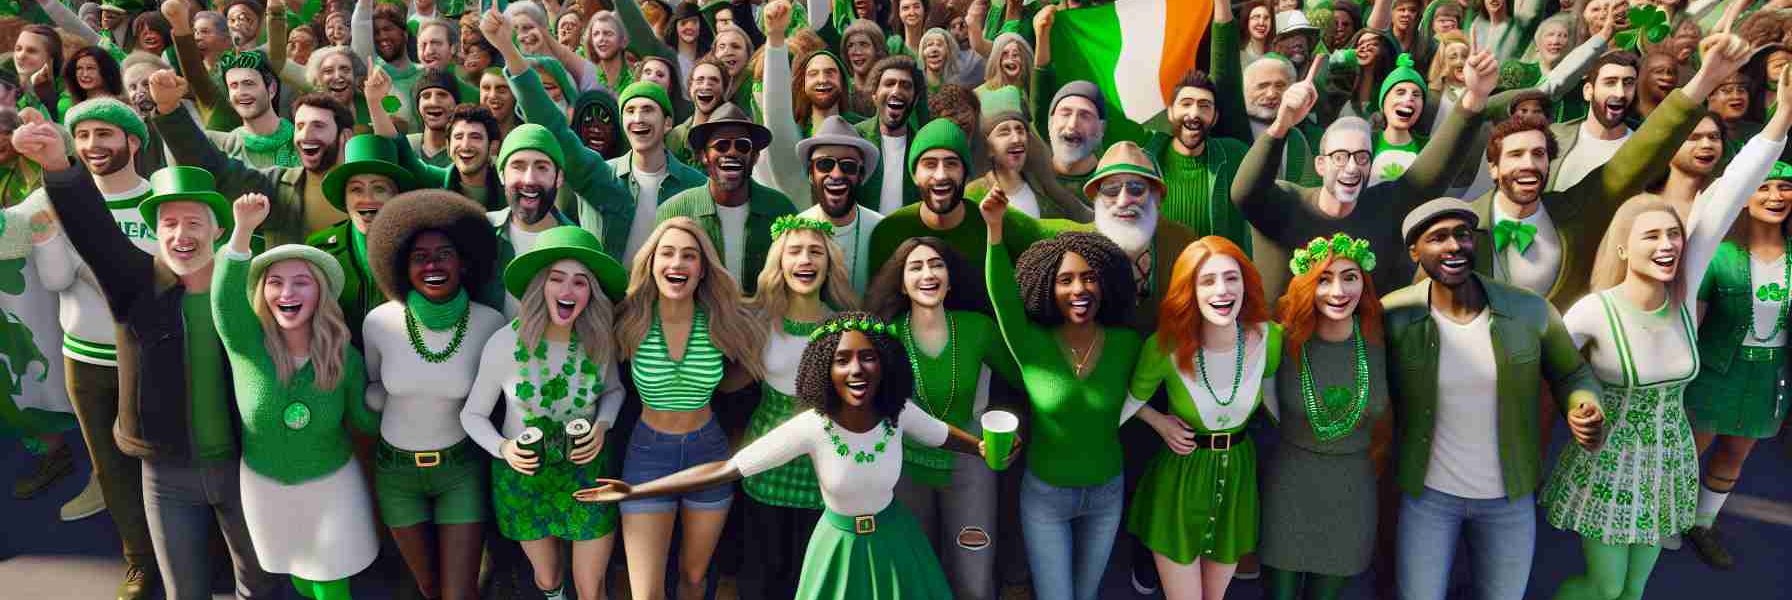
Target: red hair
{"type": "Point", "coordinates": [1299, 318]}
{"type": "Point", "coordinates": [1179, 317]}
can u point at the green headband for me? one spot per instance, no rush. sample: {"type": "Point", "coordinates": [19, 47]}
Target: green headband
{"type": "Point", "coordinates": [1341, 246]}
{"type": "Point", "coordinates": [865, 324]}
{"type": "Point", "coordinates": [788, 223]}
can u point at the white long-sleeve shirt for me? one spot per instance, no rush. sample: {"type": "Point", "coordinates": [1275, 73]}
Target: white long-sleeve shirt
{"type": "Point", "coordinates": [421, 401]}
{"type": "Point", "coordinates": [848, 487]}
{"type": "Point", "coordinates": [499, 375]}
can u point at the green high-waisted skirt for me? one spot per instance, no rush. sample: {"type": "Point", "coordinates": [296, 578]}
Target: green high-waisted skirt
{"type": "Point", "coordinates": [893, 562]}
{"type": "Point", "coordinates": [1743, 401]}
{"type": "Point", "coordinates": [1199, 505]}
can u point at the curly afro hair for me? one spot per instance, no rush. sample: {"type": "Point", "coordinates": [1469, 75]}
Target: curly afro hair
{"type": "Point", "coordinates": [1037, 270]}
{"type": "Point", "coordinates": [815, 374]}
{"type": "Point", "coordinates": [389, 238]}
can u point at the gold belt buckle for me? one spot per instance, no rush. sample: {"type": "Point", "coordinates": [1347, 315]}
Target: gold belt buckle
{"type": "Point", "coordinates": [1220, 442]}
{"type": "Point", "coordinates": [864, 525]}
{"type": "Point", "coordinates": [425, 460]}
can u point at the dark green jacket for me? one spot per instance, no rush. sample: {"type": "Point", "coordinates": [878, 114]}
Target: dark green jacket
{"type": "Point", "coordinates": [1728, 296]}
{"type": "Point", "coordinates": [1531, 346]}
{"type": "Point", "coordinates": [1581, 213]}
{"type": "Point", "coordinates": [447, 178]}
{"type": "Point", "coordinates": [360, 293]}
{"type": "Point", "coordinates": [764, 205]}
{"type": "Point", "coordinates": [612, 220]}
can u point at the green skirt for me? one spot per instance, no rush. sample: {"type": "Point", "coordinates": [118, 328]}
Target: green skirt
{"type": "Point", "coordinates": [1199, 505]}
{"type": "Point", "coordinates": [1744, 401]}
{"type": "Point", "coordinates": [532, 507]}
{"type": "Point", "coordinates": [892, 562]}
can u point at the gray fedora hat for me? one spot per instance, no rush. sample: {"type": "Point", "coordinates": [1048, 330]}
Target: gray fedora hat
{"type": "Point", "coordinates": [835, 131]}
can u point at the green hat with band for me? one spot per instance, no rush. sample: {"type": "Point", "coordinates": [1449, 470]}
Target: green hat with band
{"type": "Point", "coordinates": [940, 133]}
{"type": "Point", "coordinates": [326, 264]}
{"type": "Point", "coordinates": [1781, 172]}
{"type": "Point", "coordinates": [649, 90]}
{"type": "Point", "coordinates": [366, 154]}
{"type": "Point", "coordinates": [563, 242]}
{"type": "Point", "coordinates": [1403, 73]}
{"type": "Point", "coordinates": [108, 110]}
{"type": "Point", "coordinates": [530, 136]}
{"type": "Point", "coordinates": [1123, 157]}
{"type": "Point", "coordinates": [185, 184]}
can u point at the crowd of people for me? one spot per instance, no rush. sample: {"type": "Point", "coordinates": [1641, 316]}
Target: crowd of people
{"type": "Point", "coordinates": [346, 279]}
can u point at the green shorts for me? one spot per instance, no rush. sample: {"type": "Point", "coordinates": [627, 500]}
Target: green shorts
{"type": "Point", "coordinates": [447, 487]}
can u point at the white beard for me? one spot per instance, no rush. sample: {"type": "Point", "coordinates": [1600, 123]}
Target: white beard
{"type": "Point", "coordinates": [1132, 237]}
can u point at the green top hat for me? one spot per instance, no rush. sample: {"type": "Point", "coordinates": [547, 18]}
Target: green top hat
{"type": "Point", "coordinates": [567, 241]}
{"type": "Point", "coordinates": [185, 184]}
{"type": "Point", "coordinates": [365, 153]}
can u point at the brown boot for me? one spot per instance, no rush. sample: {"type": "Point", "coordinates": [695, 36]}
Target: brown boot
{"type": "Point", "coordinates": [139, 583]}
{"type": "Point", "coordinates": [51, 467]}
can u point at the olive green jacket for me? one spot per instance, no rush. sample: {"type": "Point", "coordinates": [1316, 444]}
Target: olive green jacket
{"type": "Point", "coordinates": [285, 187]}
{"type": "Point", "coordinates": [764, 205]}
{"type": "Point", "coordinates": [1531, 346]}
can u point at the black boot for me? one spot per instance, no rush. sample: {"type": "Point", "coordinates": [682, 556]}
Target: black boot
{"type": "Point", "coordinates": [1710, 549]}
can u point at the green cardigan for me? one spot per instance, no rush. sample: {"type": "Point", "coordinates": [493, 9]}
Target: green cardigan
{"type": "Point", "coordinates": [1531, 347]}
{"type": "Point", "coordinates": [1729, 300]}
{"type": "Point", "coordinates": [271, 445]}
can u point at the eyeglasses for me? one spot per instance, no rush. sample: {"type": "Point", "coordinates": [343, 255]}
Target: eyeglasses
{"type": "Point", "coordinates": [1134, 188]}
{"type": "Point", "coordinates": [1340, 157]}
{"type": "Point", "coordinates": [740, 145]}
{"type": "Point", "coordinates": [826, 164]}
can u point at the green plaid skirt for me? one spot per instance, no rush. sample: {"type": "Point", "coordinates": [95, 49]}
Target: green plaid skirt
{"type": "Point", "coordinates": [792, 485]}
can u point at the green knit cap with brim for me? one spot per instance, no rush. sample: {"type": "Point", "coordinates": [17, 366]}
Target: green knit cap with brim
{"type": "Point", "coordinates": [999, 105]}
{"type": "Point", "coordinates": [530, 136]}
{"type": "Point", "coordinates": [1123, 157]}
{"type": "Point", "coordinates": [1403, 73]}
{"type": "Point", "coordinates": [649, 90]}
{"type": "Point", "coordinates": [556, 70]}
{"type": "Point", "coordinates": [939, 133]}
{"type": "Point", "coordinates": [366, 154]}
{"type": "Point", "coordinates": [326, 264]}
{"type": "Point", "coordinates": [563, 242]}
{"type": "Point", "coordinates": [185, 184]}
{"type": "Point", "coordinates": [108, 110]}
{"type": "Point", "coordinates": [1781, 172]}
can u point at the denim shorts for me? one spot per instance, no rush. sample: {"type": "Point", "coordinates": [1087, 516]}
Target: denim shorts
{"type": "Point", "coordinates": [652, 455]}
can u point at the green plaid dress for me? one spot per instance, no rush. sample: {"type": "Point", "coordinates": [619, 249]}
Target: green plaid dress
{"type": "Point", "coordinates": [792, 485]}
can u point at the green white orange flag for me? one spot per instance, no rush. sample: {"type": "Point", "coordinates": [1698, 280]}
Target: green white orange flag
{"type": "Point", "coordinates": [1135, 50]}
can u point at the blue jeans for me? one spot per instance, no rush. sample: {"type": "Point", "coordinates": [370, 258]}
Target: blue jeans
{"type": "Point", "coordinates": [1069, 533]}
{"type": "Point", "coordinates": [1502, 536]}
{"type": "Point", "coordinates": [653, 454]}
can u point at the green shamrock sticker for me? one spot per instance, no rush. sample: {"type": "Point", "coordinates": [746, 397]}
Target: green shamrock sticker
{"type": "Point", "coordinates": [1772, 292]}
{"type": "Point", "coordinates": [1392, 171]}
{"type": "Point", "coordinates": [391, 104]}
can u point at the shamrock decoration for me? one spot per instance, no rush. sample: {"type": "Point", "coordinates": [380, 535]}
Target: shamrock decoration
{"type": "Point", "coordinates": [1772, 292]}
{"type": "Point", "coordinates": [1392, 171]}
{"type": "Point", "coordinates": [1340, 245]}
{"type": "Point", "coordinates": [1646, 21]}
{"type": "Point", "coordinates": [1336, 398]}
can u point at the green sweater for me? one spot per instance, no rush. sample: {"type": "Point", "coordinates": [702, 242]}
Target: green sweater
{"type": "Point", "coordinates": [205, 381]}
{"type": "Point", "coordinates": [946, 386]}
{"type": "Point", "coordinates": [1197, 190]}
{"type": "Point", "coordinates": [292, 432]}
{"type": "Point", "coordinates": [968, 238]}
{"type": "Point", "coordinates": [1076, 422]}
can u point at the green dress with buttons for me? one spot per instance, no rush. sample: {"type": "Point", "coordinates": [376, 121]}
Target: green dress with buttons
{"type": "Point", "coordinates": [1204, 504]}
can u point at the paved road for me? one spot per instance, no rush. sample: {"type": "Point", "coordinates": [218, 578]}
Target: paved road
{"type": "Point", "coordinates": [42, 558]}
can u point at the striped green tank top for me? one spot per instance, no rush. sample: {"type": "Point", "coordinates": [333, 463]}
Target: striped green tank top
{"type": "Point", "coordinates": [677, 385]}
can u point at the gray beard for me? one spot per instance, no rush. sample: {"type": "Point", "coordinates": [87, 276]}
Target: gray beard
{"type": "Point", "coordinates": [1130, 237]}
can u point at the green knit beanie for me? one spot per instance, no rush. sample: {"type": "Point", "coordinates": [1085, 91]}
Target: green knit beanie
{"type": "Point", "coordinates": [938, 133]}
{"type": "Point", "coordinates": [1000, 105]}
{"type": "Point", "coordinates": [1403, 72]}
{"type": "Point", "coordinates": [111, 111]}
{"type": "Point", "coordinates": [649, 90]}
{"type": "Point", "coordinates": [530, 136]}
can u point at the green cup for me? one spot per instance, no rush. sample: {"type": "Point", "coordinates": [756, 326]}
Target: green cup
{"type": "Point", "coordinates": [998, 437]}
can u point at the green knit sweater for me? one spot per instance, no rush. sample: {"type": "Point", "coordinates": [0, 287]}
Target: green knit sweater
{"type": "Point", "coordinates": [1076, 422]}
{"type": "Point", "coordinates": [946, 385]}
{"type": "Point", "coordinates": [1197, 190]}
{"type": "Point", "coordinates": [272, 446]}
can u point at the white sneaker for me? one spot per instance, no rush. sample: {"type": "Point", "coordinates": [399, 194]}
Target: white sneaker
{"type": "Point", "coordinates": [1670, 543]}
{"type": "Point", "coordinates": [85, 504]}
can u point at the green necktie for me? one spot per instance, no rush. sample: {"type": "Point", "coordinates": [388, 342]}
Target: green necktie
{"type": "Point", "coordinates": [1507, 233]}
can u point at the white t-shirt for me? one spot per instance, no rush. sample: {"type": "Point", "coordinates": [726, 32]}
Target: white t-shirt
{"type": "Point", "coordinates": [421, 401]}
{"type": "Point", "coordinates": [498, 377]}
{"type": "Point", "coordinates": [848, 487]}
{"type": "Point", "coordinates": [1766, 312]}
{"type": "Point", "coordinates": [1536, 268]}
{"type": "Point", "coordinates": [895, 153]}
{"type": "Point", "coordinates": [522, 240]}
{"type": "Point", "coordinates": [1661, 347]}
{"type": "Point", "coordinates": [647, 202]}
{"type": "Point", "coordinates": [1024, 200]}
{"type": "Point", "coordinates": [1588, 153]}
{"type": "Point", "coordinates": [734, 238]}
{"type": "Point", "coordinates": [1465, 449]}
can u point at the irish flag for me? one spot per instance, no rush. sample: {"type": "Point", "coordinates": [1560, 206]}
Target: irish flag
{"type": "Point", "coordinates": [1135, 50]}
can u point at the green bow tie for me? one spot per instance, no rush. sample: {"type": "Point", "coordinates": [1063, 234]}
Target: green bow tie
{"type": "Point", "coordinates": [1507, 233]}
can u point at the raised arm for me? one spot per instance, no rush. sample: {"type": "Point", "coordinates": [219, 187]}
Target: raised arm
{"type": "Point", "coordinates": [66, 20]}
{"type": "Point", "coordinates": [1452, 145]}
{"type": "Point", "coordinates": [1023, 338]}
{"type": "Point", "coordinates": [189, 146]}
{"type": "Point", "coordinates": [787, 169]}
{"type": "Point", "coordinates": [973, 25]}
{"type": "Point", "coordinates": [191, 60]}
{"type": "Point", "coordinates": [275, 26]}
{"type": "Point", "coordinates": [122, 270]}
{"type": "Point", "coordinates": [238, 327]}
{"type": "Point", "coordinates": [377, 87]}
{"type": "Point", "coordinates": [1223, 41]}
{"type": "Point", "coordinates": [1567, 73]}
{"type": "Point", "coordinates": [1726, 198]}
{"type": "Point", "coordinates": [1271, 205]}
{"type": "Point", "coordinates": [360, 29]}
{"type": "Point", "coordinates": [641, 37]}
{"type": "Point", "coordinates": [1381, 16]}
{"type": "Point", "coordinates": [586, 171]}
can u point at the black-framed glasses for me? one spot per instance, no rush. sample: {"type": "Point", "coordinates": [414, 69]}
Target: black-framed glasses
{"type": "Point", "coordinates": [740, 145]}
{"type": "Point", "coordinates": [1134, 188]}
{"type": "Point", "coordinates": [1339, 157]}
{"type": "Point", "coordinates": [827, 164]}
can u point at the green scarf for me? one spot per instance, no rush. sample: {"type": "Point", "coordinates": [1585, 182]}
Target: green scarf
{"type": "Point", "coordinates": [278, 143]}
{"type": "Point", "coordinates": [358, 241]}
{"type": "Point", "coordinates": [437, 317]}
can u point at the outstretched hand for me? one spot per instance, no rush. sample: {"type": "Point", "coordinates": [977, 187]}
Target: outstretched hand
{"type": "Point", "coordinates": [1723, 54]}
{"type": "Point", "coordinates": [1297, 101]}
{"type": "Point", "coordinates": [378, 84]}
{"type": "Point", "coordinates": [607, 490]}
{"type": "Point", "coordinates": [993, 208]}
{"type": "Point", "coordinates": [249, 211]}
{"type": "Point", "coordinates": [1480, 73]}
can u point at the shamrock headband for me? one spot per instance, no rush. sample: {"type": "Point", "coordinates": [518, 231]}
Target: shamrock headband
{"type": "Point", "coordinates": [789, 223]}
{"type": "Point", "coordinates": [1341, 246]}
{"type": "Point", "coordinates": [252, 59]}
{"type": "Point", "coordinates": [865, 324]}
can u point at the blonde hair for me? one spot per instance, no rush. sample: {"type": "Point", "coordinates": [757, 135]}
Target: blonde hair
{"type": "Point", "coordinates": [1438, 79]}
{"type": "Point", "coordinates": [994, 78]}
{"type": "Point", "coordinates": [1608, 269]}
{"type": "Point", "coordinates": [329, 332]}
{"type": "Point", "coordinates": [732, 327]}
{"type": "Point", "coordinates": [772, 300]}
{"type": "Point", "coordinates": [592, 325]}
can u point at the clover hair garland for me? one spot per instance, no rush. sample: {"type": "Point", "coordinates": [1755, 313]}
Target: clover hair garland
{"type": "Point", "coordinates": [251, 59]}
{"type": "Point", "coordinates": [864, 324]}
{"type": "Point", "coordinates": [794, 223]}
{"type": "Point", "coordinates": [1340, 245]}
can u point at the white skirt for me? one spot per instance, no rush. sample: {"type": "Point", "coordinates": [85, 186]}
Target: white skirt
{"type": "Point", "coordinates": [321, 530]}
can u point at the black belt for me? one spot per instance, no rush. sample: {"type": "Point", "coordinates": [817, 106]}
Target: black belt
{"type": "Point", "coordinates": [1218, 442]}
{"type": "Point", "coordinates": [460, 453]}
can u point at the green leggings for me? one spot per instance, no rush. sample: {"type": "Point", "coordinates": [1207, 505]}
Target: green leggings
{"type": "Point", "coordinates": [1614, 572]}
{"type": "Point", "coordinates": [321, 590]}
{"type": "Point", "coordinates": [1286, 585]}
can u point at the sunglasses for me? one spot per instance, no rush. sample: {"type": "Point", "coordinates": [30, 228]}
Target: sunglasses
{"type": "Point", "coordinates": [826, 164]}
{"type": "Point", "coordinates": [1134, 188]}
{"type": "Point", "coordinates": [740, 145]}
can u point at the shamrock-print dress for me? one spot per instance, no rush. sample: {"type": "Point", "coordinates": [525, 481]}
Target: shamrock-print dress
{"type": "Point", "coordinates": [545, 388]}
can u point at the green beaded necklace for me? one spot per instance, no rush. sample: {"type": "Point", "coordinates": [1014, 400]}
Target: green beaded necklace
{"type": "Point", "coordinates": [415, 333]}
{"type": "Point", "coordinates": [1338, 413]}
{"type": "Point", "coordinates": [1237, 370]}
{"type": "Point", "coordinates": [552, 389]}
{"type": "Point", "coordinates": [914, 352]}
{"type": "Point", "coordinates": [1771, 292]}
{"type": "Point", "coordinates": [859, 456]}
